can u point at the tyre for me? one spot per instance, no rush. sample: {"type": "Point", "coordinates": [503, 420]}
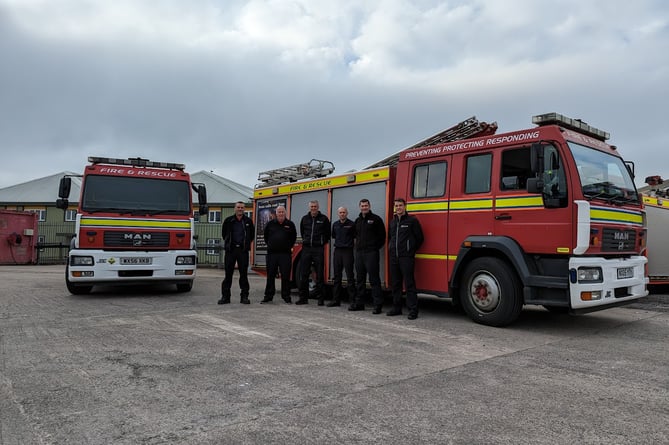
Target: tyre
{"type": "Point", "coordinates": [491, 293]}
{"type": "Point", "coordinates": [186, 286]}
{"type": "Point", "coordinates": [75, 289]}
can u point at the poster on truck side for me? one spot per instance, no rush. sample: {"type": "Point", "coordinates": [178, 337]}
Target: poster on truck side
{"type": "Point", "coordinates": [265, 211]}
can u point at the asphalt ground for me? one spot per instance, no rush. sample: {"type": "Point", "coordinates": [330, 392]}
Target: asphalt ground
{"type": "Point", "coordinates": [151, 366]}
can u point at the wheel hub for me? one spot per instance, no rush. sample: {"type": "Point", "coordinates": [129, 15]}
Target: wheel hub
{"type": "Point", "coordinates": [484, 292]}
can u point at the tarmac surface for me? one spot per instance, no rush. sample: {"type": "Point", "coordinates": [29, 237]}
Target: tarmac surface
{"type": "Point", "coordinates": [152, 366]}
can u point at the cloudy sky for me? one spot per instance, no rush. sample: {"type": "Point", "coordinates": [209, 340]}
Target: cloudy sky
{"type": "Point", "coordinates": [237, 87]}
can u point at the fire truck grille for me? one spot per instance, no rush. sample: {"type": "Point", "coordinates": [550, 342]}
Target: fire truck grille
{"type": "Point", "coordinates": [138, 239]}
{"type": "Point", "coordinates": [618, 240]}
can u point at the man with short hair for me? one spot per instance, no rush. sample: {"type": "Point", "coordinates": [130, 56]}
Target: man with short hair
{"type": "Point", "coordinates": [343, 233]}
{"type": "Point", "coordinates": [280, 235]}
{"type": "Point", "coordinates": [405, 237]}
{"type": "Point", "coordinates": [238, 233]}
{"type": "Point", "coordinates": [315, 231]}
{"type": "Point", "coordinates": [370, 237]}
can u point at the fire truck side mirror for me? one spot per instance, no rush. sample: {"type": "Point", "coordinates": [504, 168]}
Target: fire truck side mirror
{"type": "Point", "coordinates": [202, 199]}
{"type": "Point", "coordinates": [64, 193]}
{"type": "Point", "coordinates": [630, 168]}
{"type": "Point", "coordinates": [64, 187]}
{"type": "Point", "coordinates": [537, 158]}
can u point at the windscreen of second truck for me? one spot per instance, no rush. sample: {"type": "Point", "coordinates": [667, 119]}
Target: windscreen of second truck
{"type": "Point", "coordinates": [136, 195]}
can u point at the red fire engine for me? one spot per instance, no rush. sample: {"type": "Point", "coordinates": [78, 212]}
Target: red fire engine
{"type": "Point", "coordinates": [656, 202]}
{"type": "Point", "coordinates": [134, 224]}
{"type": "Point", "coordinates": [546, 216]}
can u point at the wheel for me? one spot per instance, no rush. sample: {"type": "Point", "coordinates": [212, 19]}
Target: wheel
{"type": "Point", "coordinates": [491, 293]}
{"type": "Point", "coordinates": [186, 286]}
{"type": "Point", "coordinates": [75, 289]}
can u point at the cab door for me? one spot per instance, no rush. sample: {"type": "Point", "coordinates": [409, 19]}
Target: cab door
{"type": "Point", "coordinates": [423, 183]}
{"type": "Point", "coordinates": [540, 222]}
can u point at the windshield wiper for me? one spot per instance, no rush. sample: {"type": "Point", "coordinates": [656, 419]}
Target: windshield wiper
{"type": "Point", "coordinates": [620, 200]}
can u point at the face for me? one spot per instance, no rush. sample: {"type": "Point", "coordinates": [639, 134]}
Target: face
{"type": "Point", "coordinates": [239, 209]}
{"type": "Point", "coordinates": [343, 213]}
{"type": "Point", "coordinates": [280, 214]}
{"type": "Point", "coordinates": [313, 208]}
{"type": "Point", "coordinates": [399, 208]}
{"type": "Point", "coordinates": [364, 207]}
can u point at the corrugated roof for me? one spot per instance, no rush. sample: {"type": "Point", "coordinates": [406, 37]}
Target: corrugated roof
{"type": "Point", "coordinates": [40, 191]}
{"type": "Point", "coordinates": [221, 190]}
{"type": "Point", "coordinates": [44, 190]}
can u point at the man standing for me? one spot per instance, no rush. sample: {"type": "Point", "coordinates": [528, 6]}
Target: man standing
{"type": "Point", "coordinates": [315, 230]}
{"type": "Point", "coordinates": [238, 233]}
{"type": "Point", "coordinates": [405, 237]}
{"type": "Point", "coordinates": [370, 237]}
{"type": "Point", "coordinates": [280, 235]}
{"type": "Point", "coordinates": [343, 233]}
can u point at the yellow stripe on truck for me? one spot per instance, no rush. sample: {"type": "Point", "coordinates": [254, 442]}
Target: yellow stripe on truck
{"type": "Point", "coordinates": [117, 223]}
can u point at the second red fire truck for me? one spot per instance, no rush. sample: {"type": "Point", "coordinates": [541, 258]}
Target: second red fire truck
{"type": "Point", "coordinates": [546, 216]}
{"type": "Point", "coordinates": [134, 224]}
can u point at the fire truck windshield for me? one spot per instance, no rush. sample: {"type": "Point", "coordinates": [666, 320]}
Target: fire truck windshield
{"type": "Point", "coordinates": [135, 196]}
{"type": "Point", "coordinates": [603, 176]}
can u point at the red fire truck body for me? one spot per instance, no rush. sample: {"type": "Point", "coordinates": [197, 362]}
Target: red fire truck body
{"type": "Point", "coordinates": [656, 202]}
{"type": "Point", "coordinates": [548, 215]}
{"type": "Point", "coordinates": [134, 224]}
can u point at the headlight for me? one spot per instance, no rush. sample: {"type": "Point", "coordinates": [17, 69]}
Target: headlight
{"type": "Point", "coordinates": [589, 274]}
{"type": "Point", "coordinates": [81, 261]}
{"type": "Point", "coordinates": [185, 260]}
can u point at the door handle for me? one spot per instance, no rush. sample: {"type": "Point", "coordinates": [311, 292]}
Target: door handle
{"type": "Point", "coordinates": [503, 217]}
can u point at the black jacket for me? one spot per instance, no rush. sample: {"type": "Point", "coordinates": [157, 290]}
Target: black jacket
{"type": "Point", "coordinates": [280, 237]}
{"type": "Point", "coordinates": [370, 232]}
{"type": "Point", "coordinates": [249, 232]}
{"type": "Point", "coordinates": [343, 233]}
{"type": "Point", "coordinates": [315, 230]}
{"type": "Point", "coordinates": [405, 236]}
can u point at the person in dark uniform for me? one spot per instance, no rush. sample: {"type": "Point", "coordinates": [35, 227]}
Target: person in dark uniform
{"type": "Point", "coordinates": [405, 237]}
{"type": "Point", "coordinates": [343, 233]}
{"type": "Point", "coordinates": [238, 233]}
{"type": "Point", "coordinates": [315, 230]}
{"type": "Point", "coordinates": [370, 237]}
{"type": "Point", "coordinates": [280, 235]}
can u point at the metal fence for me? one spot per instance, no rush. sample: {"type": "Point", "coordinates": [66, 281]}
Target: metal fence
{"type": "Point", "coordinates": [54, 243]}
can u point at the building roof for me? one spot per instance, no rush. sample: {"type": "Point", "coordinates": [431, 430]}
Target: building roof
{"type": "Point", "coordinates": [40, 191]}
{"type": "Point", "coordinates": [44, 191]}
{"type": "Point", "coordinates": [221, 190]}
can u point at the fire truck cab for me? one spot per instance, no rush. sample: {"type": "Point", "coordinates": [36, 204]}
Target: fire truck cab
{"type": "Point", "coordinates": [134, 225]}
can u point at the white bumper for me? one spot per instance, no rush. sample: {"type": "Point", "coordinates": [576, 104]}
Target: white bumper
{"type": "Point", "coordinates": [111, 267]}
{"type": "Point", "coordinates": [612, 289]}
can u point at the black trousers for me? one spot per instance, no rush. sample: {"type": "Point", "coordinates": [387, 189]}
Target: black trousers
{"type": "Point", "coordinates": [239, 256]}
{"type": "Point", "coordinates": [342, 261]}
{"type": "Point", "coordinates": [278, 262]}
{"type": "Point", "coordinates": [311, 256]}
{"type": "Point", "coordinates": [367, 263]}
{"type": "Point", "coordinates": [401, 273]}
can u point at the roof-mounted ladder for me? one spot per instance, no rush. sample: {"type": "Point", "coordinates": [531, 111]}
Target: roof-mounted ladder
{"type": "Point", "coordinates": [315, 168]}
{"type": "Point", "coordinates": [466, 129]}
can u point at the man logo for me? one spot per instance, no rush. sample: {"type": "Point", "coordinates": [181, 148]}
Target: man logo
{"type": "Point", "coordinates": [138, 239]}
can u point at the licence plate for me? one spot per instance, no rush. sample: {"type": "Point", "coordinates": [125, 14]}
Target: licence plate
{"type": "Point", "coordinates": [145, 260]}
{"type": "Point", "coordinates": [625, 272]}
